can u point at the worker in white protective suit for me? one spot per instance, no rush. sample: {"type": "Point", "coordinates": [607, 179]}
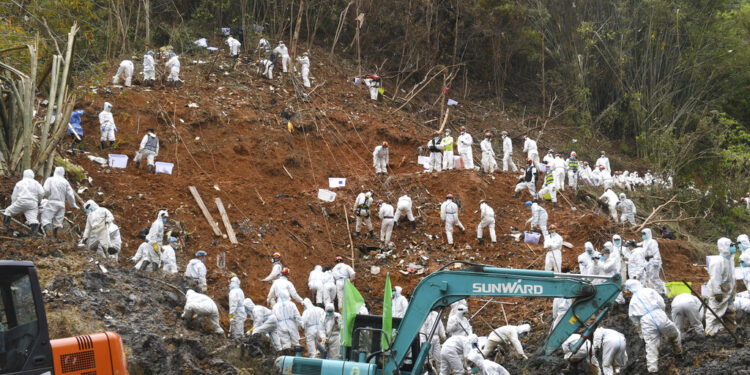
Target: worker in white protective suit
{"type": "Point", "coordinates": [610, 348]}
{"type": "Point", "coordinates": [372, 81]}
{"type": "Point", "coordinates": [455, 351]}
{"type": "Point", "coordinates": [57, 191]}
{"type": "Point", "coordinates": [264, 323]}
{"type": "Point", "coordinates": [25, 199]}
{"type": "Point", "coordinates": [173, 67]}
{"type": "Point", "coordinates": [636, 261]}
{"type": "Point", "coordinates": [529, 147]}
{"type": "Point", "coordinates": [538, 218]}
{"type": "Point", "coordinates": [289, 319]}
{"type": "Point", "coordinates": [263, 46]}
{"type": "Point", "coordinates": [237, 314]}
{"type": "Point", "coordinates": [234, 46]}
{"type": "Point", "coordinates": [149, 69]}
{"type": "Point", "coordinates": [528, 180]}
{"type": "Point", "coordinates": [687, 313]}
{"type": "Point", "coordinates": [605, 178]}
{"type": "Point", "coordinates": [196, 270]}
{"type": "Point", "coordinates": [741, 309]}
{"type": "Point", "coordinates": [627, 207]}
{"type": "Point", "coordinates": [549, 187]}
{"type": "Point", "coordinates": [435, 145]}
{"type": "Point", "coordinates": [281, 285]}
{"type": "Point", "coordinates": [507, 153]}
{"type": "Point", "coordinates": [403, 207]}
{"type": "Point", "coordinates": [342, 272]}
{"type": "Point", "coordinates": [618, 251]}
{"type": "Point", "coordinates": [458, 324]}
{"type": "Point", "coordinates": [486, 220]}
{"type": "Point", "coordinates": [148, 256]}
{"type": "Point", "coordinates": [149, 149]}
{"type": "Point", "coordinates": [721, 287]}
{"type": "Point", "coordinates": [489, 164]}
{"type": "Point", "coordinates": [329, 286]}
{"type": "Point", "coordinates": [265, 68]}
{"type": "Point", "coordinates": [362, 212]}
{"type": "Point", "coordinates": [331, 332]}
{"type": "Point", "coordinates": [448, 155]}
{"type": "Point", "coordinates": [304, 62]}
{"type": "Point", "coordinates": [744, 244]}
{"type": "Point", "coordinates": [586, 259]}
{"type": "Point", "coordinates": [437, 337]}
{"type": "Point", "coordinates": [646, 311]}
{"type": "Point", "coordinates": [312, 321]}
{"type": "Point", "coordinates": [399, 303]}
{"type": "Point", "coordinates": [315, 284]}
{"type": "Point", "coordinates": [548, 159]}
{"type": "Point", "coordinates": [505, 339]}
{"type": "Point", "coordinates": [168, 257]}
{"type": "Point", "coordinates": [603, 161]}
{"type": "Point", "coordinates": [653, 263]}
{"type": "Point", "coordinates": [276, 268]}
{"type": "Point", "coordinates": [553, 245]}
{"type": "Point", "coordinates": [464, 143]}
{"type": "Point", "coordinates": [608, 265]}
{"type": "Point", "coordinates": [201, 306]}
{"type": "Point", "coordinates": [283, 52]}
{"type": "Point", "coordinates": [107, 126]}
{"type": "Point", "coordinates": [485, 366]}
{"type": "Point", "coordinates": [125, 71]}
{"type": "Point", "coordinates": [559, 307]}
{"type": "Point", "coordinates": [101, 234]}
{"type": "Point", "coordinates": [385, 213]}
{"type": "Point", "coordinates": [380, 159]}
{"type": "Point", "coordinates": [584, 354]}
{"type": "Point", "coordinates": [449, 214]}
{"type": "Point", "coordinates": [558, 169]}
{"type": "Point", "coordinates": [571, 165]}
{"type": "Point", "coordinates": [610, 198]}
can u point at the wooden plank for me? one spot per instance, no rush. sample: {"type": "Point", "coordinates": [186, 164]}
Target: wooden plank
{"type": "Point", "coordinates": [227, 224]}
{"type": "Point", "coordinates": [206, 214]}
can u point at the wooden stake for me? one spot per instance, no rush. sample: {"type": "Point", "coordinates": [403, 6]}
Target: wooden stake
{"type": "Point", "coordinates": [206, 214]}
{"type": "Point", "coordinates": [259, 197]}
{"type": "Point", "coordinates": [287, 171]}
{"type": "Point", "coordinates": [351, 243]}
{"type": "Point", "coordinates": [227, 223]}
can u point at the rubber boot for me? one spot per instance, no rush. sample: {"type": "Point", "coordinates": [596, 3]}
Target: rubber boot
{"type": "Point", "coordinates": [138, 164]}
{"type": "Point", "coordinates": [414, 225]}
{"type": "Point", "coordinates": [481, 241]}
{"type": "Point", "coordinates": [111, 144]}
{"type": "Point", "coordinates": [372, 234]}
{"type": "Point", "coordinates": [151, 169]}
{"type": "Point", "coordinates": [34, 230]}
{"type": "Point", "coordinates": [47, 229]}
{"type": "Point", "coordinates": [104, 145]}
{"type": "Point", "coordinates": [55, 233]}
{"type": "Point", "coordinates": [6, 222]}
{"type": "Point", "coordinates": [554, 205]}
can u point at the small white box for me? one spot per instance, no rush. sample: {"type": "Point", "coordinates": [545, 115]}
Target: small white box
{"type": "Point", "coordinates": [424, 161]}
{"type": "Point", "coordinates": [326, 195]}
{"type": "Point", "coordinates": [162, 167]}
{"type": "Point", "coordinates": [118, 161]}
{"type": "Point", "coordinates": [335, 182]}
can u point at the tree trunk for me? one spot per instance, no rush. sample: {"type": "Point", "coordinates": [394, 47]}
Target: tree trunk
{"type": "Point", "coordinates": [147, 20]}
{"type": "Point", "coordinates": [297, 27]}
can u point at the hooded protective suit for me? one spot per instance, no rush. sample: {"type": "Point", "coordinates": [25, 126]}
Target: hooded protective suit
{"type": "Point", "coordinates": [435, 145]}
{"type": "Point", "coordinates": [572, 166]}
{"type": "Point", "coordinates": [149, 252]}
{"type": "Point", "coordinates": [553, 259]}
{"type": "Point", "coordinates": [265, 68]}
{"type": "Point", "coordinates": [507, 338]}
{"type": "Point", "coordinates": [488, 156]}
{"type": "Point", "coordinates": [275, 271]}
{"type": "Point", "coordinates": [646, 310]}
{"type": "Point", "coordinates": [538, 219]}
{"type": "Point", "coordinates": [437, 337]}
{"type": "Point", "coordinates": [454, 352]}
{"type": "Point", "coordinates": [342, 272]}
{"type": "Point", "coordinates": [403, 207]}
{"type": "Point", "coordinates": [610, 198]}
{"type": "Point", "coordinates": [362, 211]}
{"type": "Point", "coordinates": [458, 324]}
{"type": "Point", "coordinates": [627, 207]}
{"type": "Point", "coordinates": [653, 263]}
{"type": "Point", "coordinates": [312, 321]}
{"type": "Point", "coordinates": [168, 258]}
{"type": "Point", "coordinates": [687, 314]}
{"type": "Point", "coordinates": [289, 320]}
{"type": "Point", "coordinates": [101, 234]}
{"type": "Point", "coordinates": [612, 346]}
{"type": "Point", "coordinates": [386, 225]}
{"type": "Point", "coordinates": [529, 146]}
{"type": "Point", "coordinates": [57, 190]}
{"type": "Point", "coordinates": [237, 314]}
{"type": "Point", "coordinates": [315, 283]}
{"type": "Point", "coordinates": [264, 322]}
{"type": "Point", "coordinates": [380, 159]}
{"type": "Point", "coordinates": [487, 220]}
{"type": "Point", "coordinates": [202, 306]}
{"type": "Point", "coordinates": [721, 286]}
{"type": "Point", "coordinates": [234, 46]}
{"type": "Point", "coordinates": [149, 149]}
{"type": "Point", "coordinates": [283, 53]}
{"type": "Point", "coordinates": [304, 62]}
{"type": "Point", "coordinates": [125, 71]}
{"type": "Point", "coordinates": [584, 353]}
{"type": "Point", "coordinates": [107, 123]}
{"type": "Point", "coordinates": [173, 66]}
{"type": "Point", "coordinates": [149, 71]}
{"type": "Point", "coordinates": [464, 150]}
{"type": "Point", "coordinates": [559, 307]}
{"type": "Point", "coordinates": [507, 154]}
{"type": "Point", "coordinates": [27, 194]}
{"type": "Point", "coordinates": [617, 251]}
{"type": "Point", "coordinates": [741, 308]}
{"type": "Point", "coordinates": [586, 261]}
{"type": "Point", "coordinates": [486, 366]}
{"type": "Point", "coordinates": [329, 288]}
{"type": "Point", "coordinates": [603, 161]}
{"type": "Point", "coordinates": [637, 264]}
{"type": "Point", "coordinates": [282, 284]}
{"type": "Point", "coordinates": [744, 243]}
{"type": "Point", "coordinates": [196, 270]}
{"type": "Point", "coordinates": [399, 303]}
{"type": "Point", "coordinates": [449, 214]}
{"type": "Point", "coordinates": [331, 332]}
{"type": "Point", "coordinates": [448, 155]}
{"type": "Point", "coordinates": [549, 186]}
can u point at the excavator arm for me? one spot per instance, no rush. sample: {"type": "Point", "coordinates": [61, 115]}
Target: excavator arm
{"type": "Point", "coordinates": [443, 288]}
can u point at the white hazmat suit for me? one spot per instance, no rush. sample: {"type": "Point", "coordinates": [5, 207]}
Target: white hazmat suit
{"type": "Point", "coordinates": [315, 283]}
{"type": "Point", "coordinates": [237, 314]}
{"type": "Point", "coordinates": [312, 321]}
{"type": "Point", "coordinates": [508, 154]}
{"type": "Point", "coordinates": [403, 207]}
{"type": "Point", "coordinates": [342, 272]}
{"type": "Point", "coordinates": [627, 207]}
{"type": "Point", "coordinates": [25, 199]}
{"type": "Point", "coordinates": [686, 313]}
{"type": "Point", "coordinates": [107, 123]}
{"type": "Point", "coordinates": [264, 322]}
{"type": "Point", "coordinates": [283, 53]}
{"type": "Point", "coordinates": [721, 286]}
{"type": "Point", "coordinates": [435, 145]}
{"type": "Point", "coordinates": [530, 148]}
{"type": "Point", "coordinates": [454, 352]}
{"type": "Point", "coordinates": [449, 214]}
{"type": "Point", "coordinates": [553, 259]}
{"type": "Point", "coordinates": [458, 324]}
{"type": "Point", "coordinates": [289, 319]}
{"type": "Point", "coordinates": [101, 234]}
{"type": "Point", "coordinates": [489, 164]}
{"type": "Point", "coordinates": [399, 304]}
{"type": "Point", "coordinates": [331, 331]}
{"type": "Point", "coordinates": [487, 220]}
{"type": "Point", "coordinates": [362, 211]}
{"type": "Point", "coordinates": [437, 337]}
{"type": "Point", "coordinates": [173, 66]}
{"type": "Point", "coordinates": [386, 225]}
{"type": "Point", "coordinates": [653, 263]}
{"type": "Point", "coordinates": [234, 46]}
{"type": "Point", "coordinates": [282, 286]}
{"type": "Point", "coordinates": [538, 219]}
{"type": "Point", "coordinates": [196, 270]}
{"type": "Point", "coordinates": [612, 345]}
{"type": "Point", "coordinates": [304, 62]}
{"type": "Point", "coordinates": [202, 306]}
{"type": "Point", "coordinates": [125, 71]}
{"type": "Point", "coordinates": [646, 310]}
{"type": "Point", "coordinates": [149, 71]}
{"type": "Point", "coordinates": [465, 142]}
{"type": "Point", "coordinates": [57, 190]}
{"type": "Point", "coordinates": [610, 198]}
{"type": "Point", "coordinates": [380, 159]}
{"type": "Point", "coordinates": [507, 338]}
{"type": "Point", "coordinates": [149, 149]}
{"type": "Point", "coordinates": [168, 260]}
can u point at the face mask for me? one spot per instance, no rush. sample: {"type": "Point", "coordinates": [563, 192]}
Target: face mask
{"type": "Point", "coordinates": [328, 313]}
{"type": "Point", "coordinates": [732, 249]}
{"type": "Point", "coordinates": [643, 236]}
{"type": "Point", "coordinates": [164, 220]}
{"type": "Point", "coordinates": [603, 258]}
{"type": "Point", "coordinates": [742, 248]}
{"type": "Point", "coordinates": [743, 264]}
{"type": "Point", "coordinates": [617, 242]}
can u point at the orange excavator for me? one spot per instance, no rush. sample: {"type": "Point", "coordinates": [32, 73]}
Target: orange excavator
{"type": "Point", "coordinates": [25, 347]}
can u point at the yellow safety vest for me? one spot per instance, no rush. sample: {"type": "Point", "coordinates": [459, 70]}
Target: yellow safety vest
{"type": "Point", "coordinates": [448, 144]}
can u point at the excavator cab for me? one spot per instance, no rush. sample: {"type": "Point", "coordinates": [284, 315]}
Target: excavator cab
{"type": "Point", "coordinates": [366, 338]}
{"type": "Point", "coordinates": [25, 347]}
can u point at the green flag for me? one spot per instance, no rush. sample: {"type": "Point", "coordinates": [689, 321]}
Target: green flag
{"type": "Point", "coordinates": [387, 314]}
{"type": "Point", "coordinates": [353, 301]}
